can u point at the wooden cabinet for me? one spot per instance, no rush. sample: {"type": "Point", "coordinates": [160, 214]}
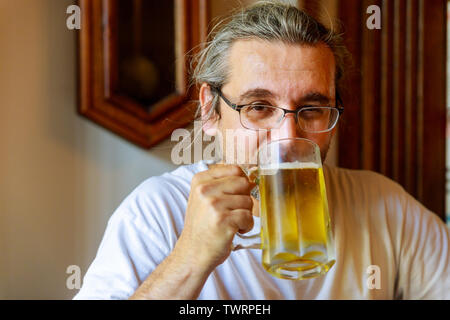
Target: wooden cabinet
{"type": "Point", "coordinates": [133, 65]}
{"type": "Point", "coordinates": [395, 113]}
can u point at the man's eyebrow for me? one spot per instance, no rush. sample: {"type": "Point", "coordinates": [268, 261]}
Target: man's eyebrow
{"type": "Point", "coordinates": [256, 93]}
{"type": "Point", "coordinates": [313, 96]}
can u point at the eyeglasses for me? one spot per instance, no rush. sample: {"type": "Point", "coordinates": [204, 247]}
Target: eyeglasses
{"type": "Point", "coordinates": [313, 119]}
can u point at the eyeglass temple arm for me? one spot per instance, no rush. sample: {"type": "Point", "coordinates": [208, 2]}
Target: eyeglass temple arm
{"type": "Point", "coordinates": [228, 102]}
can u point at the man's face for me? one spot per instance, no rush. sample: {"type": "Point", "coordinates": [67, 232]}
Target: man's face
{"type": "Point", "coordinates": [278, 74]}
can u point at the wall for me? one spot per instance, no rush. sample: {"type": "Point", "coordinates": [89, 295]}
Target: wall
{"type": "Point", "coordinates": [61, 176]}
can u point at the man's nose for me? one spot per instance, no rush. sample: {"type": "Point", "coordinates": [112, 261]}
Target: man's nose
{"type": "Point", "coordinates": [288, 128]}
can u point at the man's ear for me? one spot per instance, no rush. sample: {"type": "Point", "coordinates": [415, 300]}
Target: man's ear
{"type": "Point", "coordinates": [209, 117]}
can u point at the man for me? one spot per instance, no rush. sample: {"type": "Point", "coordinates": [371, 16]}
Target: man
{"type": "Point", "coordinates": [171, 238]}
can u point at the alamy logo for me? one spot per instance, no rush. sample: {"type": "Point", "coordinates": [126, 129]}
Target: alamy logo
{"type": "Point", "coordinates": [374, 279]}
{"type": "Point", "coordinates": [374, 21]}
{"type": "Point", "coordinates": [74, 280]}
{"type": "Point", "coordinates": [235, 150]}
{"type": "Point", "coordinates": [74, 20]}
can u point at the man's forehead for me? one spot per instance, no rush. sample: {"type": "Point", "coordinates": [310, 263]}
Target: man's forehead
{"type": "Point", "coordinates": [258, 63]}
{"type": "Point", "coordinates": [278, 52]}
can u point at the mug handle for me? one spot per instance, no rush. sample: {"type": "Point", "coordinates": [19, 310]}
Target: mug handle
{"type": "Point", "coordinates": [241, 241]}
{"type": "Point", "coordinates": [253, 241]}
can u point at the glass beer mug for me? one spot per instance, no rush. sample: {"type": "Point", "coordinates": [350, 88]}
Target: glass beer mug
{"type": "Point", "coordinates": [296, 237]}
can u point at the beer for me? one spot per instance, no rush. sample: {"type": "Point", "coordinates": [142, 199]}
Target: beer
{"type": "Point", "coordinates": [295, 224]}
{"type": "Point", "coordinates": [295, 238]}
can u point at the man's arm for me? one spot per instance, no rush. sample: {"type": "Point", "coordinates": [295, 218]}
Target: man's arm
{"type": "Point", "coordinates": [424, 271]}
{"type": "Point", "coordinates": [177, 277]}
{"type": "Point", "coordinates": [219, 205]}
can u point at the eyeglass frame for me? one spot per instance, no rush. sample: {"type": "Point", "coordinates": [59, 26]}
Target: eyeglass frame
{"type": "Point", "coordinates": [238, 108]}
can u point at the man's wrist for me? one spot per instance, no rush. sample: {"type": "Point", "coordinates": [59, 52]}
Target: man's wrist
{"type": "Point", "coordinates": [191, 260]}
{"type": "Point", "coordinates": [177, 277]}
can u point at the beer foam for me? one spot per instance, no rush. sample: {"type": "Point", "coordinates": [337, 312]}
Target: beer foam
{"type": "Point", "coordinates": [272, 168]}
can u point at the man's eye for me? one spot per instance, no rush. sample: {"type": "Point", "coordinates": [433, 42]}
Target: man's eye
{"type": "Point", "coordinates": [311, 113]}
{"type": "Point", "coordinates": [259, 111]}
{"type": "Point", "coordinates": [260, 108]}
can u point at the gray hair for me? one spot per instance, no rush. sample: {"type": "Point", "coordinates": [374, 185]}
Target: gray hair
{"type": "Point", "coordinates": [265, 20]}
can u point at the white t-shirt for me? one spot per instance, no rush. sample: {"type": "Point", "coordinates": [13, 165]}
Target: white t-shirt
{"type": "Point", "coordinates": [374, 222]}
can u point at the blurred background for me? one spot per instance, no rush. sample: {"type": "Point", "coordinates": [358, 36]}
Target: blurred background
{"type": "Point", "coordinates": [63, 171]}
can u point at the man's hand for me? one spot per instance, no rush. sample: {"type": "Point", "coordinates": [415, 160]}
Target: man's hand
{"type": "Point", "coordinates": [219, 205]}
